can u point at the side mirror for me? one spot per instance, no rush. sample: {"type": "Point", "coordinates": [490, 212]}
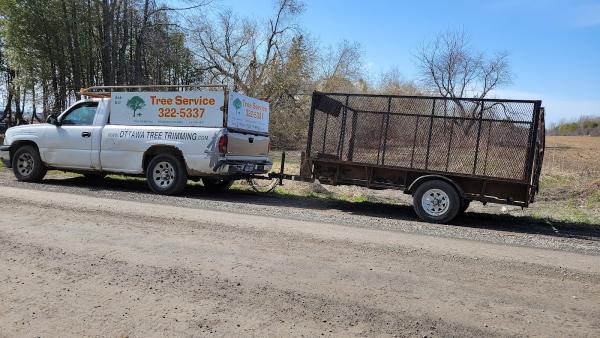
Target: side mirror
{"type": "Point", "coordinates": [53, 120]}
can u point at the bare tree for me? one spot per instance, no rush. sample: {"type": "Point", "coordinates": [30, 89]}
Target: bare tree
{"type": "Point", "coordinates": [391, 82]}
{"type": "Point", "coordinates": [271, 60]}
{"type": "Point", "coordinates": [450, 67]}
{"type": "Point", "coordinates": [342, 67]}
{"type": "Point", "coordinates": [237, 52]}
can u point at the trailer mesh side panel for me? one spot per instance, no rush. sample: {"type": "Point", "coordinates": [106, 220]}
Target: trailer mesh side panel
{"type": "Point", "coordinates": [482, 137]}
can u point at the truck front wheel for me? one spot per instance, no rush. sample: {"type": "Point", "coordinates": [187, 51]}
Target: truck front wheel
{"type": "Point", "coordinates": [166, 174]}
{"type": "Point", "coordinates": [27, 164]}
{"type": "Point", "coordinates": [436, 202]}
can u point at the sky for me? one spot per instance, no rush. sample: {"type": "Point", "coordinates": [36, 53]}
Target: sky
{"type": "Point", "coordinates": [553, 45]}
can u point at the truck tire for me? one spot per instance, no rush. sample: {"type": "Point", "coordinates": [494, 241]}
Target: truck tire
{"type": "Point", "coordinates": [217, 184]}
{"type": "Point", "coordinates": [436, 201]}
{"type": "Point", "coordinates": [166, 174]}
{"type": "Point", "coordinates": [27, 164]}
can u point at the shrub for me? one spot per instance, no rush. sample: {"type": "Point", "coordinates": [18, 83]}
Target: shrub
{"type": "Point", "coordinates": [585, 125]}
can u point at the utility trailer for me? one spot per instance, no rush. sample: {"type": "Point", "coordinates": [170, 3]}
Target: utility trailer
{"type": "Point", "coordinates": [446, 152]}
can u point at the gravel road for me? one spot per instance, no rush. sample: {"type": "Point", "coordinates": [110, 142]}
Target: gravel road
{"type": "Point", "coordinates": [110, 259]}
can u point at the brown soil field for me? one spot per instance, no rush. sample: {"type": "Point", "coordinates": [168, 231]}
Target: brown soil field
{"type": "Point", "coordinates": [572, 153]}
{"type": "Point", "coordinates": [571, 178]}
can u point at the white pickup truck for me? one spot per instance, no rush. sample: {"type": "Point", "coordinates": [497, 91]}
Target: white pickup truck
{"type": "Point", "coordinates": [168, 136]}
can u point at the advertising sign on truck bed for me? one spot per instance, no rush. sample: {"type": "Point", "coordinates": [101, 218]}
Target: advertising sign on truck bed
{"type": "Point", "coordinates": [247, 114]}
{"type": "Point", "coordinates": [189, 108]}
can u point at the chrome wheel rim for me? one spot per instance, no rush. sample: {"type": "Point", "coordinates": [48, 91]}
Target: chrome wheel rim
{"type": "Point", "coordinates": [25, 164]}
{"type": "Point", "coordinates": [435, 202]}
{"type": "Point", "coordinates": [163, 174]}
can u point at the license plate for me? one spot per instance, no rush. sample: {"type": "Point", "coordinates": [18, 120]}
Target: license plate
{"type": "Point", "coordinates": [249, 167]}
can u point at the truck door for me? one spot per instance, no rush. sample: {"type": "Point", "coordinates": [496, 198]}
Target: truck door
{"type": "Point", "coordinates": [70, 144]}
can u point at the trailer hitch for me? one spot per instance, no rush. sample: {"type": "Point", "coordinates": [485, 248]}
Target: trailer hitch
{"type": "Point", "coordinates": [276, 178]}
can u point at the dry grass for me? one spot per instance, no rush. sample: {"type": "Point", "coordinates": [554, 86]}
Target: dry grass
{"type": "Point", "coordinates": [570, 182]}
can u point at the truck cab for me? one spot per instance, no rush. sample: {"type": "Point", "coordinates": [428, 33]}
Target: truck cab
{"type": "Point", "coordinates": [93, 137]}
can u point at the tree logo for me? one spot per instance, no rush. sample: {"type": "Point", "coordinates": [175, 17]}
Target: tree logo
{"type": "Point", "coordinates": [237, 103]}
{"type": "Point", "coordinates": [136, 103]}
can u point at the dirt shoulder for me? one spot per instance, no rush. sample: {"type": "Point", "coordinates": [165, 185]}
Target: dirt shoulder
{"type": "Point", "coordinates": [477, 225]}
{"type": "Point", "coordinates": [81, 265]}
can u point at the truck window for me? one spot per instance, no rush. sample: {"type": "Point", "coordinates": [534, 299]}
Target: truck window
{"type": "Point", "coordinates": [82, 115]}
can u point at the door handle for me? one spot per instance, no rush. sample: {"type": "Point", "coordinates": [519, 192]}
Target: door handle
{"type": "Point", "coordinates": [86, 134]}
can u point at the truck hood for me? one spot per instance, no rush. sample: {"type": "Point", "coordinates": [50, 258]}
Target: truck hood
{"type": "Point", "coordinates": [24, 132]}
{"type": "Point", "coordinates": [26, 128]}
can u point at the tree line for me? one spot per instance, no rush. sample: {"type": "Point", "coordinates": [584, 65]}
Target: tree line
{"type": "Point", "coordinates": [583, 126]}
{"type": "Point", "coordinates": [49, 49]}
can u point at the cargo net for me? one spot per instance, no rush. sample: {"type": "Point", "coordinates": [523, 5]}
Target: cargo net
{"type": "Point", "coordinates": [487, 138]}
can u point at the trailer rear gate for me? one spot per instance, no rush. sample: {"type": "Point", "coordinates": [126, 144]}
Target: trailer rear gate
{"type": "Point", "coordinates": [491, 148]}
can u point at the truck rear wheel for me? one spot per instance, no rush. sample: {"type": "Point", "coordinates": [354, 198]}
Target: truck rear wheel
{"type": "Point", "coordinates": [27, 164]}
{"type": "Point", "coordinates": [166, 174]}
{"type": "Point", "coordinates": [436, 202]}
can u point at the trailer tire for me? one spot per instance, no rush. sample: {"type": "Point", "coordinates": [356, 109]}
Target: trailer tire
{"type": "Point", "coordinates": [217, 185]}
{"type": "Point", "coordinates": [166, 174]}
{"type": "Point", "coordinates": [27, 164]}
{"type": "Point", "coordinates": [436, 201]}
{"type": "Point", "coordinates": [463, 206]}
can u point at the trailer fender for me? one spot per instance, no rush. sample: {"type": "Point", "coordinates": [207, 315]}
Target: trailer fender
{"type": "Point", "coordinates": [416, 183]}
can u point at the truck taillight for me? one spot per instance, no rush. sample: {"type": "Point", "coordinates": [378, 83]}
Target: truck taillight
{"type": "Point", "coordinates": [223, 144]}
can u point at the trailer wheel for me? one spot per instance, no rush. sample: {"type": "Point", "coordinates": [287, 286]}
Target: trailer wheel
{"type": "Point", "coordinates": [436, 202]}
{"type": "Point", "coordinates": [463, 206]}
{"type": "Point", "coordinates": [166, 174]}
{"type": "Point", "coordinates": [217, 184]}
{"type": "Point", "coordinates": [27, 164]}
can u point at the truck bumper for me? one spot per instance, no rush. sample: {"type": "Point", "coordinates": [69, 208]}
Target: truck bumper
{"type": "Point", "coordinates": [5, 155]}
{"type": "Point", "coordinates": [244, 168]}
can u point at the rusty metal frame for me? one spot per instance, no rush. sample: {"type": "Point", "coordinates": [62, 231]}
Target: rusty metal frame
{"type": "Point", "coordinates": [476, 187]}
